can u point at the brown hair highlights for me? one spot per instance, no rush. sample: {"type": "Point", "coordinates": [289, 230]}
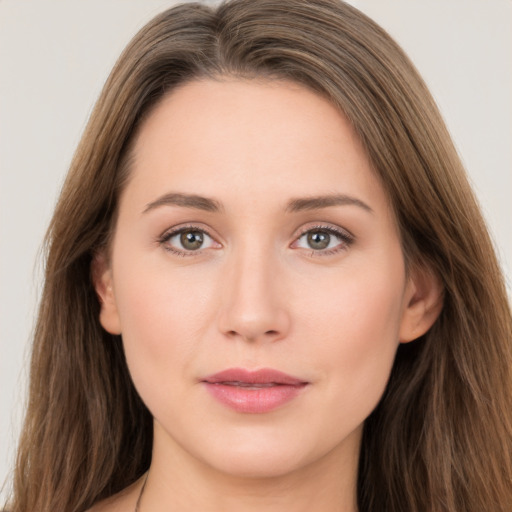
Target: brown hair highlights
{"type": "Point", "coordinates": [441, 437]}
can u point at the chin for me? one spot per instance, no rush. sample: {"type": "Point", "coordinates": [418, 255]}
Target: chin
{"type": "Point", "coordinates": [254, 463]}
{"type": "Point", "coordinates": [264, 453]}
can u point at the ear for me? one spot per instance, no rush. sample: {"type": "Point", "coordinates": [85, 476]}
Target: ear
{"type": "Point", "coordinates": [423, 303]}
{"type": "Point", "coordinates": [102, 279]}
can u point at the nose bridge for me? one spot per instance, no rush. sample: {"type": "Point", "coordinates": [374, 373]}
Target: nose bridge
{"type": "Point", "coordinates": [253, 307]}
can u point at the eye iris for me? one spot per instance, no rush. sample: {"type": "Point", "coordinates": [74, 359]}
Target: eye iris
{"type": "Point", "coordinates": [191, 240]}
{"type": "Point", "coordinates": [318, 239]}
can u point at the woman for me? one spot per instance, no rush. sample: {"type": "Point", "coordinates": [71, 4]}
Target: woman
{"type": "Point", "coordinates": [268, 284]}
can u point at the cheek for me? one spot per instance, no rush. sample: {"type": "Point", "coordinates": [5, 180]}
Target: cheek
{"type": "Point", "coordinates": [355, 326]}
{"type": "Point", "coordinates": [163, 319]}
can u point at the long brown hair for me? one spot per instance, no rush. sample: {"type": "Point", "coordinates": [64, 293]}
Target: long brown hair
{"type": "Point", "coordinates": [440, 440]}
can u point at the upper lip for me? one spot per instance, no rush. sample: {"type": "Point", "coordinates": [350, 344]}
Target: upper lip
{"type": "Point", "coordinates": [262, 376]}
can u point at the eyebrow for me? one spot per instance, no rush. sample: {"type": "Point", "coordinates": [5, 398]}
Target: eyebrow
{"type": "Point", "coordinates": [295, 205]}
{"type": "Point", "coordinates": [318, 202]}
{"type": "Point", "coordinates": [185, 200]}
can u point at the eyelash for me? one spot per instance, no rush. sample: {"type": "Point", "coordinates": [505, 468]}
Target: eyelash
{"type": "Point", "coordinates": [346, 239]}
{"type": "Point", "coordinates": [164, 240]}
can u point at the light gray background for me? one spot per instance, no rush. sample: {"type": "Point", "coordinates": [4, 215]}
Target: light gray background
{"type": "Point", "coordinates": [56, 54]}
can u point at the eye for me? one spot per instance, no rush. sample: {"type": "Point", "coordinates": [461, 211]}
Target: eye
{"type": "Point", "coordinates": [327, 240]}
{"type": "Point", "coordinates": [187, 240]}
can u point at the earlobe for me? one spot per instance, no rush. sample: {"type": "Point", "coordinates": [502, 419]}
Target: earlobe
{"type": "Point", "coordinates": [102, 279]}
{"type": "Point", "coordinates": [422, 305]}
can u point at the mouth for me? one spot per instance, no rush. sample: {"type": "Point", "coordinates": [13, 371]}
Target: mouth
{"type": "Point", "coordinates": [254, 392]}
{"type": "Point", "coordinates": [251, 385]}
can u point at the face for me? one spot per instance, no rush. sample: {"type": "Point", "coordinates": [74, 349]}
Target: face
{"type": "Point", "coordinates": [257, 278]}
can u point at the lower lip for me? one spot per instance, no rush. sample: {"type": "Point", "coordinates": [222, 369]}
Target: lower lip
{"type": "Point", "coordinates": [254, 400]}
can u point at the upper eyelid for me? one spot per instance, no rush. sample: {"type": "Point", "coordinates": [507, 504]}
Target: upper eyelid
{"type": "Point", "coordinates": [326, 227]}
{"type": "Point", "coordinates": [300, 232]}
{"type": "Point", "coordinates": [186, 227]}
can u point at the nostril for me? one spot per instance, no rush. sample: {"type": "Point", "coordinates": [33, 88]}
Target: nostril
{"type": "Point", "coordinates": [247, 336]}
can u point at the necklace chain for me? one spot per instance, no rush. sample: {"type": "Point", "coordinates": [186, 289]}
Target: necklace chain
{"type": "Point", "coordinates": [137, 505]}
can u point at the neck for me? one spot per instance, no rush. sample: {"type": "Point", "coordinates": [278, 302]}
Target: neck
{"type": "Point", "coordinates": [179, 482]}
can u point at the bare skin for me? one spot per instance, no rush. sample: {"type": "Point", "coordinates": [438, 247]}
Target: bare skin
{"type": "Point", "coordinates": [292, 261]}
{"type": "Point", "coordinates": [123, 501]}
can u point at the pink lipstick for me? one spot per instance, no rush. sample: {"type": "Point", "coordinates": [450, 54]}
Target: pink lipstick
{"type": "Point", "coordinates": [253, 392]}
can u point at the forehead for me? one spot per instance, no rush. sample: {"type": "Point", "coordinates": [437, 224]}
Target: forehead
{"type": "Point", "coordinates": [250, 140]}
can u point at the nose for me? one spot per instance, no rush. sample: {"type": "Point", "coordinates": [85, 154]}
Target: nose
{"type": "Point", "coordinates": [254, 302]}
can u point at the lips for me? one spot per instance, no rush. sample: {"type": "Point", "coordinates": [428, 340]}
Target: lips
{"type": "Point", "coordinates": [253, 392]}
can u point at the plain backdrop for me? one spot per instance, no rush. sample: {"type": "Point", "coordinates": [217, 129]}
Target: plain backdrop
{"type": "Point", "coordinates": [56, 54]}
